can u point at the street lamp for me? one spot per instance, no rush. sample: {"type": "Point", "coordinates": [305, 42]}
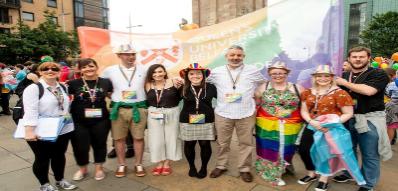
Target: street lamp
{"type": "Point", "coordinates": [130, 27]}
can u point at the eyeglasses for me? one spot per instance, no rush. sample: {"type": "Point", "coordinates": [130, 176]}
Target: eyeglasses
{"type": "Point", "coordinates": [54, 69]}
{"type": "Point", "coordinates": [278, 74]}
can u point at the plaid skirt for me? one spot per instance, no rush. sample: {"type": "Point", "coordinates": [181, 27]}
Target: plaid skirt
{"type": "Point", "coordinates": [191, 132]}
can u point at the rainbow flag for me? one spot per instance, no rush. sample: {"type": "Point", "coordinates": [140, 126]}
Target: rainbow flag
{"type": "Point", "coordinates": [302, 33]}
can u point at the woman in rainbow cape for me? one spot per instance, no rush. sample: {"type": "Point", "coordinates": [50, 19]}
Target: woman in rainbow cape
{"type": "Point", "coordinates": [325, 146]}
{"type": "Point", "coordinates": [278, 124]}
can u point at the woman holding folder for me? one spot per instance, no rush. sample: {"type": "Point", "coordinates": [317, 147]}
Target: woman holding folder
{"type": "Point", "coordinates": [91, 118]}
{"type": "Point", "coordinates": [53, 102]}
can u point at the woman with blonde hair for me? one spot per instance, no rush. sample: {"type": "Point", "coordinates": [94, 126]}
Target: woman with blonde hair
{"type": "Point", "coordinates": [325, 146]}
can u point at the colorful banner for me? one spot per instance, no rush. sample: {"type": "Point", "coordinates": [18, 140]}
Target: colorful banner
{"type": "Point", "coordinates": [302, 33]}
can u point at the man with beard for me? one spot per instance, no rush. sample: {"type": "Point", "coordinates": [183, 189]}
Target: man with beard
{"type": "Point", "coordinates": [368, 127]}
{"type": "Point", "coordinates": [235, 83]}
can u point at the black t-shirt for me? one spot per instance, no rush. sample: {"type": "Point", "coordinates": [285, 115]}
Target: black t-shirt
{"type": "Point", "coordinates": [205, 104]}
{"type": "Point", "coordinates": [81, 98]}
{"type": "Point", "coordinates": [170, 97]}
{"type": "Point", "coordinates": [375, 78]}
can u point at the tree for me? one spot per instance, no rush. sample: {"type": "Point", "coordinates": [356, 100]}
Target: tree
{"type": "Point", "coordinates": [30, 44]}
{"type": "Point", "coordinates": [381, 35]}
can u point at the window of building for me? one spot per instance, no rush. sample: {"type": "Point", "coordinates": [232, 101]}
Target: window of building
{"type": "Point", "coordinates": [357, 21]}
{"type": "Point", "coordinates": [3, 31]}
{"type": "Point", "coordinates": [27, 16]}
{"type": "Point", "coordinates": [28, 1]}
{"type": "Point", "coordinates": [52, 3]}
{"type": "Point", "coordinates": [79, 9]}
{"type": "Point", "coordinates": [4, 17]}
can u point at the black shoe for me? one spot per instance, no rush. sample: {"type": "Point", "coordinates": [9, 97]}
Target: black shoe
{"type": "Point", "coordinates": [322, 186]}
{"type": "Point", "coordinates": [5, 113]}
{"type": "Point", "coordinates": [112, 154]}
{"type": "Point", "coordinates": [193, 172]}
{"type": "Point", "coordinates": [306, 179]}
{"type": "Point", "coordinates": [365, 189]}
{"type": "Point", "coordinates": [130, 153]}
{"type": "Point", "coordinates": [342, 178]}
{"type": "Point", "coordinates": [202, 173]}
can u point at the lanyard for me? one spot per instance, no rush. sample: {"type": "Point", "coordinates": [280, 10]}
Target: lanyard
{"type": "Point", "coordinates": [318, 98]}
{"type": "Point", "coordinates": [125, 76]}
{"type": "Point", "coordinates": [196, 95]}
{"type": "Point", "coordinates": [91, 92]}
{"type": "Point", "coordinates": [234, 81]}
{"type": "Point", "coordinates": [356, 78]}
{"type": "Point", "coordinates": [158, 95]}
{"type": "Point", "coordinates": [58, 94]}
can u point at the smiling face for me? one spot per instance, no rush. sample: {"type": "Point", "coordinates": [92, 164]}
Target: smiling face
{"type": "Point", "coordinates": [323, 79]}
{"type": "Point", "coordinates": [159, 74]}
{"type": "Point", "coordinates": [278, 75]}
{"type": "Point", "coordinates": [49, 71]}
{"type": "Point", "coordinates": [235, 57]}
{"type": "Point", "coordinates": [195, 77]}
{"type": "Point", "coordinates": [89, 70]}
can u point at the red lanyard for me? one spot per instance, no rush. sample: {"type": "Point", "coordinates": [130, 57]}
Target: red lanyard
{"type": "Point", "coordinates": [159, 95]}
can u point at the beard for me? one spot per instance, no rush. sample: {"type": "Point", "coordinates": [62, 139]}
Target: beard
{"type": "Point", "coordinates": [362, 66]}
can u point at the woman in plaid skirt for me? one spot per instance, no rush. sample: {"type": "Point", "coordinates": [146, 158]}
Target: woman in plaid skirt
{"type": "Point", "coordinates": [197, 117]}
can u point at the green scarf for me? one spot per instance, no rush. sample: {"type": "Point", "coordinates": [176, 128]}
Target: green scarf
{"type": "Point", "coordinates": [136, 114]}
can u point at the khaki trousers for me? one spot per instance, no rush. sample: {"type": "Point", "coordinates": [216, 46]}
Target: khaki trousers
{"type": "Point", "coordinates": [244, 131]}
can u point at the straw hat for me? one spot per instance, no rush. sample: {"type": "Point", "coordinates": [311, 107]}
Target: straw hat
{"type": "Point", "coordinates": [323, 69]}
{"type": "Point", "coordinates": [278, 65]}
{"type": "Point", "coordinates": [125, 49]}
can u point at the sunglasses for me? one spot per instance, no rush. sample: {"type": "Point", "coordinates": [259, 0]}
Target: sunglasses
{"type": "Point", "coordinates": [54, 69]}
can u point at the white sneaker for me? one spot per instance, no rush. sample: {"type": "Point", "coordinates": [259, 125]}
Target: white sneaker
{"type": "Point", "coordinates": [280, 182]}
{"type": "Point", "coordinates": [47, 187]}
{"type": "Point", "coordinates": [79, 175]}
{"type": "Point", "coordinates": [65, 185]}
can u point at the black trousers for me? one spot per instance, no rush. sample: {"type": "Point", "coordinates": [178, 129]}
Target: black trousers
{"type": "Point", "coordinates": [307, 140]}
{"type": "Point", "coordinates": [47, 152]}
{"type": "Point", "coordinates": [90, 134]}
{"type": "Point", "coordinates": [205, 153]}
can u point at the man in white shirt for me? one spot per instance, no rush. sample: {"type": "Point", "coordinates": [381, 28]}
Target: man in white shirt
{"type": "Point", "coordinates": [235, 83]}
{"type": "Point", "coordinates": [129, 109]}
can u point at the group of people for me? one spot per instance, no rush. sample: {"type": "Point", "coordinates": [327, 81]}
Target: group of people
{"type": "Point", "coordinates": [327, 121]}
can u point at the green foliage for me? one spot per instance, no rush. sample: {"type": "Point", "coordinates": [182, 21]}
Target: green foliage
{"type": "Point", "coordinates": [381, 35]}
{"type": "Point", "coordinates": [30, 44]}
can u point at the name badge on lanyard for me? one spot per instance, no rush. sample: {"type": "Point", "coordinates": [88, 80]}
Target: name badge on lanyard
{"type": "Point", "coordinates": [157, 115]}
{"type": "Point", "coordinates": [93, 112]}
{"type": "Point", "coordinates": [129, 95]}
{"type": "Point", "coordinates": [196, 118]}
{"type": "Point", "coordinates": [233, 97]}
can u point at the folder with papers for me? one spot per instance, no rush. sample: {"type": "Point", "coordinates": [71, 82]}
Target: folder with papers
{"type": "Point", "coordinates": [48, 128]}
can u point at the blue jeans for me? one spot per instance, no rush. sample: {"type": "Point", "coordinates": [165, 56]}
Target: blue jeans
{"type": "Point", "coordinates": [368, 145]}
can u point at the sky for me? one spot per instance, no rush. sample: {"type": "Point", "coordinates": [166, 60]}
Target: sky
{"type": "Point", "coordinates": [155, 16]}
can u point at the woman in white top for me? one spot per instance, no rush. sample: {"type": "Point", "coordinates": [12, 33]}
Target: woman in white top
{"type": "Point", "coordinates": [47, 98]}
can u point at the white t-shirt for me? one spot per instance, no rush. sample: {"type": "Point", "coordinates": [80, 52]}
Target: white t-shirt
{"type": "Point", "coordinates": [122, 92]}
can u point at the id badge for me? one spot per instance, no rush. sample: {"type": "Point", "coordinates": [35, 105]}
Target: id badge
{"type": "Point", "coordinates": [233, 98]}
{"type": "Point", "coordinates": [196, 118]}
{"type": "Point", "coordinates": [129, 95]}
{"type": "Point", "coordinates": [157, 115]}
{"type": "Point", "coordinates": [92, 112]}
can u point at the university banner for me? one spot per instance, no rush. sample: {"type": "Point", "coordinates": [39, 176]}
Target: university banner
{"type": "Point", "coordinates": [301, 33]}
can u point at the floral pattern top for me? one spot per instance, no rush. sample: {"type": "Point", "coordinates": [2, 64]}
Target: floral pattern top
{"type": "Point", "coordinates": [280, 103]}
{"type": "Point", "coordinates": [327, 104]}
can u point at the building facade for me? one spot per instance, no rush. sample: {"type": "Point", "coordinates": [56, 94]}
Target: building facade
{"type": "Point", "coordinates": [68, 14]}
{"type": "Point", "coordinates": [358, 14]}
{"type": "Point", "coordinates": [93, 13]}
{"type": "Point", "coordinates": [209, 12]}
{"type": "Point", "coordinates": [9, 14]}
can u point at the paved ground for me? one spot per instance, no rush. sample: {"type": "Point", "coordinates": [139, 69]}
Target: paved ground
{"type": "Point", "coordinates": [16, 173]}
